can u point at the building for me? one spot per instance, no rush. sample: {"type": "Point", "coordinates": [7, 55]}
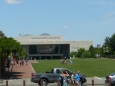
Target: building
{"type": "Point", "coordinates": [46, 46]}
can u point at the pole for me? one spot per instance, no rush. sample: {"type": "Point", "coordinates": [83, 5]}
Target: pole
{"type": "Point", "coordinates": [92, 82]}
{"type": "Point", "coordinates": [7, 83]}
{"type": "Point", "coordinates": [41, 82]}
{"type": "Point", "coordinates": [24, 84]}
{"type": "Point", "coordinates": [109, 82]}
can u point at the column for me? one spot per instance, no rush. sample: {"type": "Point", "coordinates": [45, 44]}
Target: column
{"type": "Point", "coordinates": [51, 57]}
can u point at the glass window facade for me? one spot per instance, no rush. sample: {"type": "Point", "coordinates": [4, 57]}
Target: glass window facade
{"type": "Point", "coordinates": [32, 49]}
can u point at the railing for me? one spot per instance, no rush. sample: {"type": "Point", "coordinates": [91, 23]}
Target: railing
{"type": "Point", "coordinates": [41, 83]}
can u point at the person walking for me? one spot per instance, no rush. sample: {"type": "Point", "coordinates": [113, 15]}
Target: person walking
{"type": "Point", "coordinates": [72, 78]}
{"type": "Point", "coordinates": [71, 61]}
{"type": "Point", "coordinates": [14, 61]}
{"type": "Point", "coordinates": [77, 78]}
{"type": "Point", "coordinates": [26, 62]}
{"type": "Point", "coordinates": [20, 62]}
{"type": "Point", "coordinates": [62, 79]}
{"type": "Point", "coordinates": [17, 62]}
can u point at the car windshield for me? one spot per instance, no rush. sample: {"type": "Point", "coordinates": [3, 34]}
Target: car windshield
{"type": "Point", "coordinates": [112, 74]}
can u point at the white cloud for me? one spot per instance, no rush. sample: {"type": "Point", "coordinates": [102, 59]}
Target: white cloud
{"type": "Point", "coordinates": [13, 1]}
{"type": "Point", "coordinates": [65, 27]}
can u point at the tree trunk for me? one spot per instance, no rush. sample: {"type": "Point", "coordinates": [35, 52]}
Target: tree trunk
{"type": "Point", "coordinates": [3, 62]}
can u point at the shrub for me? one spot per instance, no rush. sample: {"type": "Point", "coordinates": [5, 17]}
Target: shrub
{"type": "Point", "coordinates": [86, 54]}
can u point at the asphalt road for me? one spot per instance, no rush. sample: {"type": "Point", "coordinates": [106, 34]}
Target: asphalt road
{"type": "Point", "coordinates": [19, 82]}
{"type": "Point", "coordinates": [97, 82]}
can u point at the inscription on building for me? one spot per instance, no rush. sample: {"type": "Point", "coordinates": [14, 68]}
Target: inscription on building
{"type": "Point", "coordinates": [45, 37]}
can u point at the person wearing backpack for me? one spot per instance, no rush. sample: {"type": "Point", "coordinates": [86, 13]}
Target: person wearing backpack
{"type": "Point", "coordinates": [77, 78]}
{"type": "Point", "coordinates": [62, 79]}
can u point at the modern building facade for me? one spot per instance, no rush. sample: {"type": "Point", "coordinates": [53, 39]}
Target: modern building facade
{"type": "Point", "coordinates": [46, 46]}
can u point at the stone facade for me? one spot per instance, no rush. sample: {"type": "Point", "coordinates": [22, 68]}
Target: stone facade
{"type": "Point", "coordinates": [44, 39]}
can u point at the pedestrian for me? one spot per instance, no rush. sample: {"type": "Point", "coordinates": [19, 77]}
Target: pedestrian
{"type": "Point", "coordinates": [77, 78]}
{"type": "Point", "coordinates": [11, 62]}
{"type": "Point", "coordinates": [20, 62]}
{"type": "Point", "coordinates": [62, 79]}
{"type": "Point", "coordinates": [17, 62]}
{"type": "Point", "coordinates": [71, 61]}
{"type": "Point", "coordinates": [72, 78]}
{"type": "Point", "coordinates": [26, 62]}
{"type": "Point", "coordinates": [14, 61]}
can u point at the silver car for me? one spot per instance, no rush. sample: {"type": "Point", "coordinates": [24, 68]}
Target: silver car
{"type": "Point", "coordinates": [110, 79]}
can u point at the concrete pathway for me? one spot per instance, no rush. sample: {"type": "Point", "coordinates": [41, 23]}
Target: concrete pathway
{"type": "Point", "coordinates": [22, 72]}
{"type": "Point", "coordinates": [18, 74]}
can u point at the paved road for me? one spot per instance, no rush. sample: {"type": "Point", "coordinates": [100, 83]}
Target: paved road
{"type": "Point", "coordinates": [19, 82]}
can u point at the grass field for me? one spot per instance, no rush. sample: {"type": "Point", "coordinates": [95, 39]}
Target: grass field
{"type": "Point", "coordinates": [90, 67]}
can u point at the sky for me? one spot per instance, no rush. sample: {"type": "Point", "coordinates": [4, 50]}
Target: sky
{"type": "Point", "coordinates": [75, 20]}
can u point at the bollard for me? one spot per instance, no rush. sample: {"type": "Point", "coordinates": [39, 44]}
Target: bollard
{"type": "Point", "coordinates": [109, 82]}
{"type": "Point", "coordinates": [92, 82]}
{"type": "Point", "coordinates": [41, 84]}
{"type": "Point", "coordinates": [6, 83]}
{"type": "Point", "coordinates": [24, 84]}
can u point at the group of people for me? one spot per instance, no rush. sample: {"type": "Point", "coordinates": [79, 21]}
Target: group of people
{"type": "Point", "coordinates": [63, 61]}
{"type": "Point", "coordinates": [63, 81]}
{"type": "Point", "coordinates": [14, 61]}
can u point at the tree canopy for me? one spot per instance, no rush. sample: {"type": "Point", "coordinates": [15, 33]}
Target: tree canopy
{"type": "Point", "coordinates": [110, 43]}
{"type": "Point", "coordinates": [1, 34]}
{"type": "Point", "coordinates": [9, 45]}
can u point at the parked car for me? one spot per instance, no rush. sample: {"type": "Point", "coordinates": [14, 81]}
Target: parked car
{"type": "Point", "coordinates": [110, 79]}
{"type": "Point", "coordinates": [51, 77]}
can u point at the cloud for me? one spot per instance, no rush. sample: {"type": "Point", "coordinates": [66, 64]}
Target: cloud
{"type": "Point", "coordinates": [13, 1]}
{"type": "Point", "coordinates": [108, 16]}
{"type": "Point", "coordinates": [65, 27]}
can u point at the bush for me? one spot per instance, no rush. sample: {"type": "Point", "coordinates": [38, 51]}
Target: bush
{"type": "Point", "coordinates": [73, 53]}
{"type": "Point", "coordinates": [86, 54]}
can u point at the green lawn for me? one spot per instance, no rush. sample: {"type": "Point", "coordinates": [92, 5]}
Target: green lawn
{"type": "Point", "coordinates": [90, 67]}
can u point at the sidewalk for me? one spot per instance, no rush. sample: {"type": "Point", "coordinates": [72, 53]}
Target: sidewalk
{"type": "Point", "coordinates": [22, 72]}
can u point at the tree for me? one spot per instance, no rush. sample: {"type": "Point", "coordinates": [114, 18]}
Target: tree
{"type": "Point", "coordinates": [112, 43]}
{"type": "Point", "coordinates": [9, 46]}
{"type": "Point", "coordinates": [73, 53]}
{"type": "Point", "coordinates": [98, 51]}
{"type": "Point", "coordinates": [92, 51]}
{"type": "Point", "coordinates": [1, 34]}
{"type": "Point", "coordinates": [109, 42]}
{"type": "Point", "coordinates": [81, 51]}
{"type": "Point", "coordinates": [86, 54]}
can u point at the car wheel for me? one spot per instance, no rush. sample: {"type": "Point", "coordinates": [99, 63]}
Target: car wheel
{"type": "Point", "coordinates": [44, 82]}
